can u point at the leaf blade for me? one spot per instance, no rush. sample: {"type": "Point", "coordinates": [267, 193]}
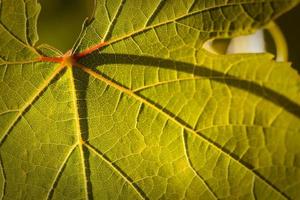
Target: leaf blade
{"type": "Point", "coordinates": [149, 114]}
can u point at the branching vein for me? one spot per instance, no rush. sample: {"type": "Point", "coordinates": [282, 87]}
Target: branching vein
{"type": "Point", "coordinates": [133, 186]}
{"type": "Point", "coordinates": [27, 104]}
{"type": "Point", "coordinates": [178, 122]}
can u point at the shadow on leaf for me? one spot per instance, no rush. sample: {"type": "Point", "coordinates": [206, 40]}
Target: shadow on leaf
{"type": "Point", "coordinates": [199, 71]}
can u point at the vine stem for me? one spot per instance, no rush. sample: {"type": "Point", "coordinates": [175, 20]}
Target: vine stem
{"type": "Point", "coordinates": [279, 40]}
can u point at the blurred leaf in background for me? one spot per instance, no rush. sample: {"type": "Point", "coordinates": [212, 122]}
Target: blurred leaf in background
{"type": "Point", "coordinates": [60, 23]}
{"type": "Point", "coordinates": [290, 25]}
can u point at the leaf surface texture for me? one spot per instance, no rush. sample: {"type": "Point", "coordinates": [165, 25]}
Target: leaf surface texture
{"type": "Point", "coordinates": [144, 112]}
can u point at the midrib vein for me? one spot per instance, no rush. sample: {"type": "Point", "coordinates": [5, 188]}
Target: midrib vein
{"type": "Point", "coordinates": [41, 88]}
{"type": "Point", "coordinates": [168, 116]}
{"type": "Point", "coordinates": [78, 129]}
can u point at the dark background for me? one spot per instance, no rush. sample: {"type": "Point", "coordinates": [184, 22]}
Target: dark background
{"type": "Point", "coordinates": [60, 23]}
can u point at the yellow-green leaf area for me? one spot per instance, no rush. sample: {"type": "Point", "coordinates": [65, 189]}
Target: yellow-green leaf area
{"type": "Point", "coordinates": [138, 109]}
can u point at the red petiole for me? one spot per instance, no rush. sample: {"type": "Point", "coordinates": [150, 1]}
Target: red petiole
{"type": "Point", "coordinates": [74, 57]}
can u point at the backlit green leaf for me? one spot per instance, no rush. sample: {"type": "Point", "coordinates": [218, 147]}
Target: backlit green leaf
{"type": "Point", "coordinates": [139, 110]}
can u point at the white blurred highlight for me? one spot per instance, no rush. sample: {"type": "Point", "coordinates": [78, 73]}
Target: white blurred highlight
{"type": "Point", "coordinates": [254, 43]}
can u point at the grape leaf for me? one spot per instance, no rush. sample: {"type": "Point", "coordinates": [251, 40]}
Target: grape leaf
{"type": "Point", "coordinates": [139, 110]}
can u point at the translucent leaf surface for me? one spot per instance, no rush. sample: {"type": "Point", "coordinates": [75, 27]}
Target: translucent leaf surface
{"type": "Point", "coordinates": [139, 110]}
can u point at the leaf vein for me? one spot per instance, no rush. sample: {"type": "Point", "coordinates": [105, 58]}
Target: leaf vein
{"type": "Point", "coordinates": [17, 38]}
{"type": "Point", "coordinates": [78, 132]}
{"type": "Point", "coordinates": [118, 171]}
{"type": "Point", "coordinates": [27, 104]}
{"type": "Point", "coordinates": [59, 172]}
{"type": "Point", "coordinates": [4, 178]}
{"type": "Point", "coordinates": [186, 153]}
{"type": "Point", "coordinates": [113, 21]}
{"type": "Point", "coordinates": [179, 122]}
{"type": "Point", "coordinates": [174, 20]}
